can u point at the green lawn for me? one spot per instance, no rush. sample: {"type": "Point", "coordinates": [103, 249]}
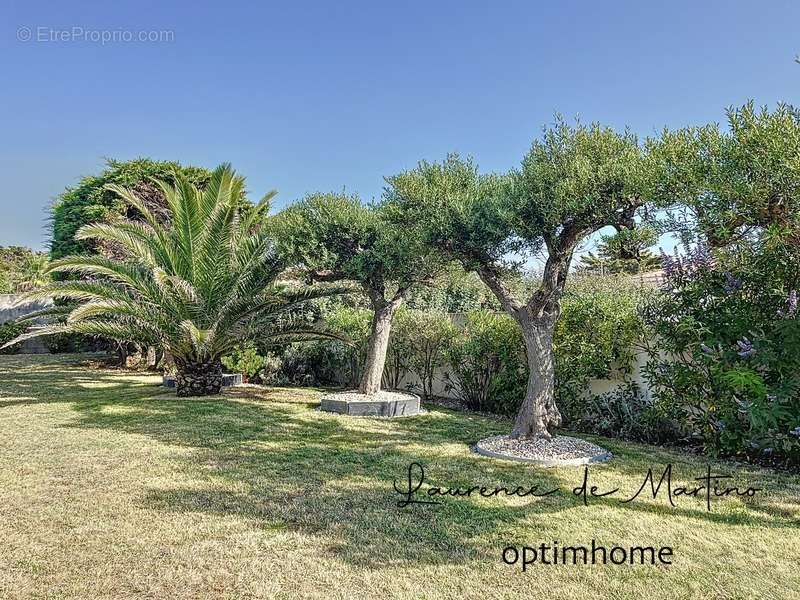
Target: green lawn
{"type": "Point", "coordinates": [111, 489]}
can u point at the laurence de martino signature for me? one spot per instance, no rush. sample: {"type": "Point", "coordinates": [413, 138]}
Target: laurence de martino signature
{"type": "Point", "coordinates": [655, 484]}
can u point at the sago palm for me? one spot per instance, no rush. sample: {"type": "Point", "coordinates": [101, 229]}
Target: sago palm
{"type": "Point", "coordinates": [195, 286]}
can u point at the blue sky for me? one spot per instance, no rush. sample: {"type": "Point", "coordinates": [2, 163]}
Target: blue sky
{"type": "Point", "coordinates": [305, 96]}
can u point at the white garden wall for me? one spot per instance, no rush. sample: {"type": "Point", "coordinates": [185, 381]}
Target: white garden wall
{"type": "Point", "coordinates": [596, 386]}
{"type": "Point", "coordinates": [12, 307]}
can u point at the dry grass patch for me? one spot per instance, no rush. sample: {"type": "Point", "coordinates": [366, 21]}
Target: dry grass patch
{"type": "Point", "coordinates": [111, 489]}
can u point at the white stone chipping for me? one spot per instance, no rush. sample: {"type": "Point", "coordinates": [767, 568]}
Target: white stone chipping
{"type": "Point", "coordinates": [381, 396]}
{"type": "Point", "coordinates": [560, 450]}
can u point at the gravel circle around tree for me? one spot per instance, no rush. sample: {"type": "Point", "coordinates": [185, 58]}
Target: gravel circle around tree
{"type": "Point", "coordinates": [561, 450]}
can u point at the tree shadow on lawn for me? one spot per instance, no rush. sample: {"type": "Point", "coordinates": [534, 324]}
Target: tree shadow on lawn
{"type": "Point", "coordinates": [45, 378]}
{"type": "Point", "coordinates": [632, 461]}
{"type": "Point", "coordinates": [265, 456]}
{"type": "Point", "coordinates": [285, 467]}
{"type": "Point", "coordinates": [302, 471]}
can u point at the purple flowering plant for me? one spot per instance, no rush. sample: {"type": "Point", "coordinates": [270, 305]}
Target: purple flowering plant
{"type": "Point", "coordinates": [728, 357]}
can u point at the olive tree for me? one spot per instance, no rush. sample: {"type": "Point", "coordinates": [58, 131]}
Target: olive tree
{"type": "Point", "coordinates": [738, 183]}
{"type": "Point", "coordinates": [335, 237]}
{"type": "Point", "coordinates": [574, 181]}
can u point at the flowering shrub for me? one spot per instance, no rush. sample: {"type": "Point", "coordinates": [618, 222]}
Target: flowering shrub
{"type": "Point", "coordinates": [727, 357]}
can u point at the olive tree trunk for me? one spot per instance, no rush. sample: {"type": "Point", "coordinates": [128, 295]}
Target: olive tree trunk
{"type": "Point", "coordinates": [198, 378]}
{"type": "Point", "coordinates": [538, 411]}
{"type": "Point", "coordinates": [537, 319]}
{"type": "Point", "coordinates": [378, 345]}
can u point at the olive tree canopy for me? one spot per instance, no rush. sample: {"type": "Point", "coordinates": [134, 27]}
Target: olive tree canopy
{"type": "Point", "coordinates": [575, 180]}
{"type": "Point", "coordinates": [740, 182]}
{"type": "Point", "coordinates": [335, 237]}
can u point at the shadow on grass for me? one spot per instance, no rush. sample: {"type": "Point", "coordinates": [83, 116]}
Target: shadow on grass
{"type": "Point", "coordinates": [45, 378]}
{"type": "Point", "coordinates": [313, 474]}
{"type": "Point", "coordinates": [267, 457]}
{"type": "Point", "coordinates": [326, 476]}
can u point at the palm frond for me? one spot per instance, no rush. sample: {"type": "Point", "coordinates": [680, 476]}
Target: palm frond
{"type": "Point", "coordinates": [133, 200]}
{"type": "Point", "coordinates": [47, 313]}
{"type": "Point", "coordinates": [98, 266]}
{"type": "Point", "coordinates": [196, 284]}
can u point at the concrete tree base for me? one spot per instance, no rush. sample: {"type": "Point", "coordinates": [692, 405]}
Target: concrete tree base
{"type": "Point", "coordinates": [382, 404]}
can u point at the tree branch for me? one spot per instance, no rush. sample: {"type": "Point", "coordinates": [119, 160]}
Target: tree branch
{"type": "Point", "coordinates": [400, 294]}
{"type": "Point", "coordinates": [325, 276]}
{"type": "Point", "coordinates": [545, 302]}
{"type": "Point", "coordinates": [494, 282]}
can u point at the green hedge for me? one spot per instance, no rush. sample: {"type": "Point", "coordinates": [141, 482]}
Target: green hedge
{"type": "Point", "coordinates": [595, 338]}
{"type": "Point", "coordinates": [89, 201]}
{"type": "Point", "coordinates": [487, 366]}
{"type": "Point", "coordinates": [8, 331]}
{"type": "Point", "coordinates": [483, 358]}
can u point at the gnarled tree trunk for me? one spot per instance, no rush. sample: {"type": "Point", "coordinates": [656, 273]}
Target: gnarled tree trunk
{"type": "Point", "coordinates": [537, 319]}
{"type": "Point", "coordinates": [538, 411]}
{"type": "Point", "coordinates": [378, 345]}
{"type": "Point", "coordinates": [198, 378]}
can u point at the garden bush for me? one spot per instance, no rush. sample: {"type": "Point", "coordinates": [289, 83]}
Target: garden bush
{"type": "Point", "coordinates": [626, 413]}
{"type": "Point", "coordinates": [487, 366]}
{"type": "Point", "coordinates": [308, 363]}
{"type": "Point", "coordinates": [347, 358]}
{"type": "Point", "coordinates": [401, 346]}
{"type": "Point", "coordinates": [417, 345]}
{"type": "Point", "coordinates": [21, 269]}
{"type": "Point", "coordinates": [247, 361]}
{"type": "Point", "coordinates": [62, 343]}
{"type": "Point", "coordinates": [596, 338]}
{"type": "Point", "coordinates": [420, 343]}
{"type": "Point", "coordinates": [326, 362]}
{"type": "Point", "coordinates": [6, 285]}
{"type": "Point", "coordinates": [727, 356]}
{"type": "Point", "coordinates": [8, 331]}
{"type": "Point", "coordinates": [455, 291]}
